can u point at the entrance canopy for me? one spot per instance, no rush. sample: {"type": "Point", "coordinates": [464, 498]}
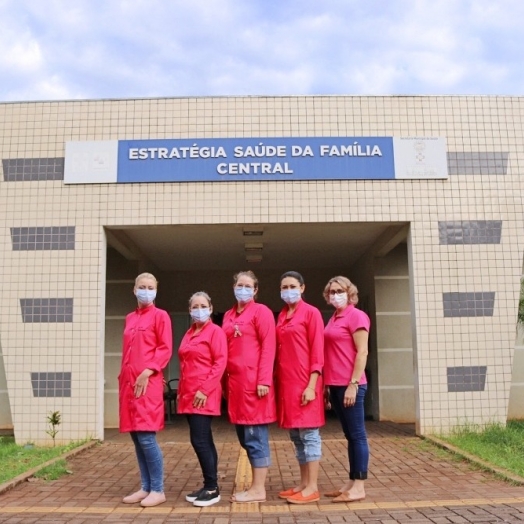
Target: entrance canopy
{"type": "Point", "coordinates": [256, 246]}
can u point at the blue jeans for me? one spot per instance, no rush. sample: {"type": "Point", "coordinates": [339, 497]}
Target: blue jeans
{"type": "Point", "coordinates": [202, 441]}
{"type": "Point", "coordinates": [308, 444]}
{"type": "Point", "coordinates": [150, 460]}
{"type": "Point", "coordinates": [255, 440]}
{"type": "Point", "coordinates": [352, 420]}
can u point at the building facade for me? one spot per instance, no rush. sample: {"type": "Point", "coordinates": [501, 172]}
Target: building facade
{"type": "Point", "coordinates": [418, 200]}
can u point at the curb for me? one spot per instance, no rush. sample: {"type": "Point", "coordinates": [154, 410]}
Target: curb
{"type": "Point", "coordinates": [10, 484]}
{"type": "Point", "coordinates": [500, 472]}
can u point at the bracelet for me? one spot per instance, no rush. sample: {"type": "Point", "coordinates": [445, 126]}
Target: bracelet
{"type": "Point", "coordinates": [309, 387]}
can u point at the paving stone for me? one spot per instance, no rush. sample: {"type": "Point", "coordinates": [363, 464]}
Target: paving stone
{"type": "Point", "coordinates": [409, 483]}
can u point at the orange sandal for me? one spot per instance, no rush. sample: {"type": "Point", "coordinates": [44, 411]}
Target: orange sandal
{"type": "Point", "coordinates": [298, 498]}
{"type": "Point", "coordinates": [288, 493]}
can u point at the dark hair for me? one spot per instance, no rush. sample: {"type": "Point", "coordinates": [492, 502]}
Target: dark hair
{"type": "Point", "coordinates": [293, 274]}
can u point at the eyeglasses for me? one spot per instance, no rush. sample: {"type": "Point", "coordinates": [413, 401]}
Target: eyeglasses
{"type": "Point", "coordinates": [336, 291]}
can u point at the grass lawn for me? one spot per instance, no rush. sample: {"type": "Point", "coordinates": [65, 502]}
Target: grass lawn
{"type": "Point", "coordinates": [500, 446]}
{"type": "Point", "coordinates": [15, 459]}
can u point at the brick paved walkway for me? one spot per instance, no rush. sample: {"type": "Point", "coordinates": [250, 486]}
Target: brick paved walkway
{"type": "Point", "coordinates": [410, 482]}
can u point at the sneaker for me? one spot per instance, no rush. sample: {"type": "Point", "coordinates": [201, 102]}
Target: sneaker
{"type": "Point", "coordinates": [207, 498]}
{"type": "Point", "coordinates": [194, 495]}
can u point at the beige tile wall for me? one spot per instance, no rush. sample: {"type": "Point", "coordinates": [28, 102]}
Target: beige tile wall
{"type": "Point", "coordinates": [469, 124]}
{"type": "Point", "coordinates": [6, 421]}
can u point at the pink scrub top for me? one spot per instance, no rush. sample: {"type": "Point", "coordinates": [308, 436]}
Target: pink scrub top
{"type": "Point", "coordinates": [339, 348]}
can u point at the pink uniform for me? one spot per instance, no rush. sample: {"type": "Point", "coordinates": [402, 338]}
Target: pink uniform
{"type": "Point", "coordinates": [147, 344]}
{"type": "Point", "coordinates": [251, 356]}
{"type": "Point", "coordinates": [339, 347]}
{"type": "Point", "coordinates": [300, 352]}
{"type": "Point", "coordinates": [203, 359]}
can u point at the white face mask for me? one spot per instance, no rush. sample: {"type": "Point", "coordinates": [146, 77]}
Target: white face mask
{"type": "Point", "coordinates": [145, 296]}
{"type": "Point", "coordinates": [200, 314]}
{"type": "Point", "coordinates": [244, 294]}
{"type": "Point", "coordinates": [290, 296]}
{"type": "Point", "coordinates": [339, 300]}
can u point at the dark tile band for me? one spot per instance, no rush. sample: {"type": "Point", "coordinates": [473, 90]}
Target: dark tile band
{"type": "Point", "coordinates": [53, 384]}
{"type": "Point", "coordinates": [43, 238]}
{"type": "Point", "coordinates": [31, 169]}
{"type": "Point", "coordinates": [46, 310]}
{"type": "Point", "coordinates": [470, 232]}
{"type": "Point", "coordinates": [478, 163]}
{"type": "Point", "coordinates": [466, 378]}
{"type": "Point", "coordinates": [469, 304]}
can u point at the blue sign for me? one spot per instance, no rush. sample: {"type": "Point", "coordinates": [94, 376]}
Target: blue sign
{"type": "Point", "coordinates": [246, 159]}
{"type": "Point", "coordinates": [224, 160]}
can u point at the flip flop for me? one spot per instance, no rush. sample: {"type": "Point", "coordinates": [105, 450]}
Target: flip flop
{"type": "Point", "coordinates": [234, 498]}
{"type": "Point", "coordinates": [344, 497]}
{"type": "Point", "coordinates": [335, 493]}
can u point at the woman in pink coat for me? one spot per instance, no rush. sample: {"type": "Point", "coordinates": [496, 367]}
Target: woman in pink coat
{"type": "Point", "coordinates": [300, 406]}
{"type": "Point", "coordinates": [203, 358]}
{"type": "Point", "coordinates": [250, 331]}
{"type": "Point", "coordinates": [147, 348]}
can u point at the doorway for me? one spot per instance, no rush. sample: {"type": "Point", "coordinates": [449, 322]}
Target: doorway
{"type": "Point", "coordinates": [189, 258]}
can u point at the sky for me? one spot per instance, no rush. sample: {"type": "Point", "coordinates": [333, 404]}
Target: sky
{"type": "Point", "coordinates": [97, 49]}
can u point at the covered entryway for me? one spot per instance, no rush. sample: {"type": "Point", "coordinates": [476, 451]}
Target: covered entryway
{"type": "Point", "coordinates": [189, 258]}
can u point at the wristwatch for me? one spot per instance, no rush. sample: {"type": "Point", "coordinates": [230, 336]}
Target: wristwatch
{"type": "Point", "coordinates": [354, 382]}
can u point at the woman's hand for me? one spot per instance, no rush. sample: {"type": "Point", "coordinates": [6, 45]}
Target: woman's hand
{"type": "Point", "coordinates": [200, 400]}
{"type": "Point", "coordinates": [308, 395]}
{"type": "Point", "coordinates": [262, 391]}
{"type": "Point", "coordinates": [327, 402]}
{"type": "Point", "coordinates": [350, 395]}
{"type": "Point", "coordinates": [141, 382]}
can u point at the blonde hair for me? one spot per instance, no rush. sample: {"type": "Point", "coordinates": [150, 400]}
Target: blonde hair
{"type": "Point", "coordinates": [249, 274]}
{"type": "Point", "coordinates": [146, 275]}
{"type": "Point", "coordinates": [346, 285]}
{"type": "Point", "coordinates": [200, 294]}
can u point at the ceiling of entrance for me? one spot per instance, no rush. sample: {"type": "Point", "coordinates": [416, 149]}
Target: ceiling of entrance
{"type": "Point", "coordinates": [264, 246]}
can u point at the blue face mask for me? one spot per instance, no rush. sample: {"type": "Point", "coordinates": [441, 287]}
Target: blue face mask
{"type": "Point", "coordinates": [145, 296]}
{"type": "Point", "coordinates": [244, 294]}
{"type": "Point", "coordinates": [200, 314]}
{"type": "Point", "coordinates": [290, 296]}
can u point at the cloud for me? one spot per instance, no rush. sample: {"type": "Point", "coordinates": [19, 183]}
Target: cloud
{"type": "Point", "coordinates": [136, 48]}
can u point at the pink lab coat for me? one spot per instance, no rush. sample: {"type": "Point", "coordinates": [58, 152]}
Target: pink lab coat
{"type": "Point", "coordinates": [203, 359]}
{"type": "Point", "coordinates": [251, 357]}
{"type": "Point", "coordinates": [339, 346]}
{"type": "Point", "coordinates": [147, 344]}
{"type": "Point", "coordinates": [300, 351]}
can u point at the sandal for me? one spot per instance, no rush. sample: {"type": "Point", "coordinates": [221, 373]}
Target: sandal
{"type": "Point", "coordinates": [298, 498]}
{"type": "Point", "coordinates": [242, 497]}
{"type": "Point", "coordinates": [345, 497]}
